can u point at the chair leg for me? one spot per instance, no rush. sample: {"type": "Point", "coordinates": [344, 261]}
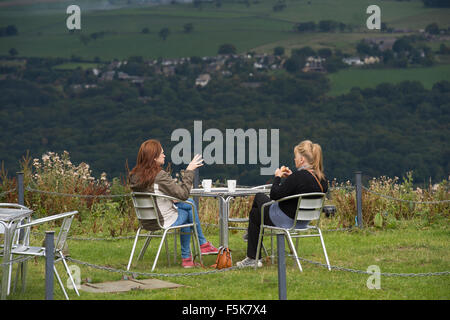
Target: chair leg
{"type": "Point", "coordinates": [60, 282]}
{"type": "Point", "coordinates": [134, 247]}
{"type": "Point", "coordinates": [16, 279]}
{"type": "Point", "coordinates": [167, 251]}
{"type": "Point", "coordinates": [159, 249]}
{"type": "Point", "coordinates": [21, 271]}
{"type": "Point", "coordinates": [144, 248]}
{"type": "Point", "coordinates": [175, 246]}
{"type": "Point", "coordinates": [272, 256]}
{"type": "Point", "coordinates": [291, 245]}
{"type": "Point", "coordinates": [324, 249]}
{"type": "Point", "coordinates": [197, 244]}
{"type": "Point", "coordinates": [69, 273]}
{"type": "Point", "coordinates": [24, 275]}
{"type": "Point", "coordinates": [258, 247]}
{"type": "Point", "coordinates": [264, 248]}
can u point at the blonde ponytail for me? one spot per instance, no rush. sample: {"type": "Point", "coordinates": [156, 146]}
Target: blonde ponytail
{"type": "Point", "coordinates": [313, 154]}
{"type": "Point", "coordinates": [318, 161]}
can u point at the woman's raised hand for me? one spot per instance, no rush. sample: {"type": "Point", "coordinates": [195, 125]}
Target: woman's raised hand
{"type": "Point", "coordinates": [283, 172]}
{"type": "Point", "coordinates": [196, 162]}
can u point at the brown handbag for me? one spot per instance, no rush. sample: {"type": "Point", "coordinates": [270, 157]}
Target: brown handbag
{"type": "Point", "coordinates": [224, 259]}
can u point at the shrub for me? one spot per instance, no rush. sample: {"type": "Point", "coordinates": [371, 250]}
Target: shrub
{"type": "Point", "coordinates": [387, 201]}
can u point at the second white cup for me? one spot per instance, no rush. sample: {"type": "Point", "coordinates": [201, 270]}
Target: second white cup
{"type": "Point", "coordinates": [231, 185]}
{"type": "Point", "coordinates": [206, 184]}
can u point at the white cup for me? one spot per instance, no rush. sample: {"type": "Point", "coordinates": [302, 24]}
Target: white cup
{"type": "Point", "coordinates": [231, 185]}
{"type": "Point", "coordinates": [206, 184]}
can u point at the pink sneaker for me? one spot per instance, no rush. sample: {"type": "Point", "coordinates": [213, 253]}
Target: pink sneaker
{"type": "Point", "coordinates": [188, 263]}
{"type": "Point", "coordinates": [208, 248]}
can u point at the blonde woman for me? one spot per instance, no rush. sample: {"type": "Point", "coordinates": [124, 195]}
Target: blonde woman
{"type": "Point", "coordinates": [308, 177]}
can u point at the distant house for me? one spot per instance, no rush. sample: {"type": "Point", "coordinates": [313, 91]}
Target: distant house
{"type": "Point", "coordinates": [257, 65]}
{"type": "Point", "coordinates": [202, 80]}
{"type": "Point", "coordinates": [314, 64]}
{"type": "Point", "coordinates": [371, 60]}
{"type": "Point", "coordinates": [107, 76]}
{"type": "Point", "coordinates": [95, 71]}
{"type": "Point", "coordinates": [123, 76]}
{"type": "Point", "coordinates": [168, 70]}
{"type": "Point", "coordinates": [353, 61]}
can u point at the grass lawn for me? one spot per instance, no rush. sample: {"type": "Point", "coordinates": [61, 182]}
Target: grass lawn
{"type": "Point", "coordinates": [344, 80]}
{"type": "Point", "coordinates": [411, 248]}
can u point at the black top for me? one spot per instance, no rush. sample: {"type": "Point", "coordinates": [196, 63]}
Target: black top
{"type": "Point", "coordinates": [301, 181]}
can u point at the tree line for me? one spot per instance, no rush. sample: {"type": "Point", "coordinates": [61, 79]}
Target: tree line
{"type": "Point", "coordinates": [387, 130]}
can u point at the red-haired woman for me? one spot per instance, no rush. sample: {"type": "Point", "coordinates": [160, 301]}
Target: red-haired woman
{"type": "Point", "coordinates": [149, 176]}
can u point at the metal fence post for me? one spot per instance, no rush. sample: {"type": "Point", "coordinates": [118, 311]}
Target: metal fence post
{"type": "Point", "coordinates": [20, 189]}
{"type": "Point", "coordinates": [282, 295]}
{"type": "Point", "coordinates": [20, 197]}
{"type": "Point", "coordinates": [359, 198]}
{"type": "Point", "coordinates": [49, 264]}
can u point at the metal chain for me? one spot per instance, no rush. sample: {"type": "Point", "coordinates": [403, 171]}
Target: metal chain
{"type": "Point", "coordinates": [148, 274]}
{"type": "Point", "coordinates": [386, 274]}
{"type": "Point", "coordinates": [402, 200]}
{"type": "Point", "coordinates": [342, 188]}
{"type": "Point", "coordinates": [6, 192]}
{"type": "Point", "coordinates": [17, 260]}
{"type": "Point", "coordinates": [78, 195]}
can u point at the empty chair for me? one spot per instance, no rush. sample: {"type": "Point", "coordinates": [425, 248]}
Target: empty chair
{"type": "Point", "coordinates": [11, 224]}
{"type": "Point", "coordinates": [309, 208]}
{"type": "Point", "coordinates": [145, 206]}
{"type": "Point", "coordinates": [25, 249]}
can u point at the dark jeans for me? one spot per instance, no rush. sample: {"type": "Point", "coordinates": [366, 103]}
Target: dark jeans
{"type": "Point", "coordinates": [255, 223]}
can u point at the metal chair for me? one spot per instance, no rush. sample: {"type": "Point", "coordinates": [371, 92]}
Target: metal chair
{"type": "Point", "coordinates": [243, 220]}
{"type": "Point", "coordinates": [26, 250]}
{"type": "Point", "coordinates": [309, 207]}
{"type": "Point", "coordinates": [145, 206]}
{"type": "Point", "coordinates": [15, 237]}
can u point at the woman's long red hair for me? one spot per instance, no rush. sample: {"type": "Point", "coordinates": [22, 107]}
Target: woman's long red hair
{"type": "Point", "coordinates": [146, 167]}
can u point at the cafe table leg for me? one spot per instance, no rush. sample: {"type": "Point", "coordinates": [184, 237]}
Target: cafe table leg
{"type": "Point", "coordinates": [221, 220]}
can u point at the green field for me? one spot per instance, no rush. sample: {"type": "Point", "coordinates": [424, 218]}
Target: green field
{"type": "Point", "coordinates": [344, 80]}
{"type": "Point", "coordinates": [410, 248]}
{"type": "Point", "coordinates": [43, 32]}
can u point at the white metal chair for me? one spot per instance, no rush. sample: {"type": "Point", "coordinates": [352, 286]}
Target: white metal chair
{"type": "Point", "coordinates": [26, 250]}
{"type": "Point", "coordinates": [145, 206]}
{"type": "Point", "coordinates": [309, 207]}
{"type": "Point", "coordinates": [15, 236]}
{"type": "Point", "coordinates": [242, 220]}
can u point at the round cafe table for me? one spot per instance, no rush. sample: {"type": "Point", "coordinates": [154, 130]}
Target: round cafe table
{"type": "Point", "coordinates": [224, 196]}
